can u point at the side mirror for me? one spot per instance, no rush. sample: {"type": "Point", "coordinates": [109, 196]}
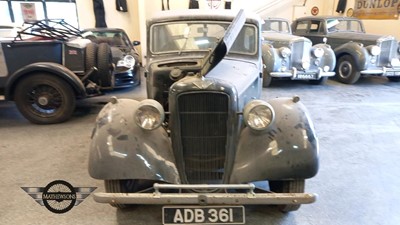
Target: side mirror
{"type": "Point", "coordinates": [136, 43]}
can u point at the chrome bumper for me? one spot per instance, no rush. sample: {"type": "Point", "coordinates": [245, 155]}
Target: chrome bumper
{"type": "Point", "coordinates": [294, 74]}
{"type": "Point", "coordinates": [158, 198]}
{"type": "Point", "coordinates": [383, 71]}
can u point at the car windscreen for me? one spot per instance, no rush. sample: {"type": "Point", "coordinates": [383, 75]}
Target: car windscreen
{"type": "Point", "coordinates": [276, 26]}
{"type": "Point", "coordinates": [338, 25]}
{"type": "Point", "coordinates": [199, 36]}
{"type": "Point", "coordinates": [113, 38]}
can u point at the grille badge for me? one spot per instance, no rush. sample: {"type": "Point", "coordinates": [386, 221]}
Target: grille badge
{"type": "Point", "coordinates": [202, 84]}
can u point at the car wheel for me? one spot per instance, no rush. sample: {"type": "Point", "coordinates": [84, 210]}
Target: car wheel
{"type": "Point", "coordinates": [90, 56]}
{"type": "Point", "coordinates": [320, 81]}
{"type": "Point", "coordinates": [287, 186]}
{"type": "Point", "coordinates": [44, 99]}
{"type": "Point", "coordinates": [267, 79]}
{"type": "Point", "coordinates": [394, 79]}
{"type": "Point", "coordinates": [104, 66]}
{"type": "Point", "coordinates": [346, 70]}
{"type": "Point", "coordinates": [126, 186]}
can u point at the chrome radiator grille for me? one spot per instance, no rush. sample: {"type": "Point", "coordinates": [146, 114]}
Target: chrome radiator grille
{"type": "Point", "coordinates": [388, 51]}
{"type": "Point", "coordinates": [300, 52]}
{"type": "Point", "coordinates": [203, 123]}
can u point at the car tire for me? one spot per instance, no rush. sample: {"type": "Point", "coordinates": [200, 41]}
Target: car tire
{"type": "Point", "coordinates": [287, 186]}
{"type": "Point", "coordinates": [90, 56]}
{"type": "Point", "coordinates": [104, 66]}
{"type": "Point", "coordinates": [267, 79]}
{"type": "Point", "coordinates": [44, 98]}
{"type": "Point", "coordinates": [126, 186]}
{"type": "Point", "coordinates": [320, 81]}
{"type": "Point", "coordinates": [346, 70]}
{"type": "Point", "coordinates": [394, 79]}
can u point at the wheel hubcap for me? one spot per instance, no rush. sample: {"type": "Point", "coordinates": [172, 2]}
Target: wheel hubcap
{"type": "Point", "coordinates": [43, 100]}
{"type": "Point", "coordinates": [345, 69]}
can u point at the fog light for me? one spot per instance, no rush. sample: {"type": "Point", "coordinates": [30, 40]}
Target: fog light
{"type": "Point", "coordinates": [395, 62]}
{"type": "Point", "coordinates": [326, 68]}
{"type": "Point", "coordinates": [149, 115]}
{"type": "Point", "coordinates": [305, 64]}
{"type": "Point", "coordinates": [258, 115]}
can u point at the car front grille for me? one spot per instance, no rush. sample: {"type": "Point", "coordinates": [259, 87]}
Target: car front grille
{"type": "Point", "coordinates": [300, 52]}
{"type": "Point", "coordinates": [203, 123]}
{"type": "Point", "coordinates": [388, 51]}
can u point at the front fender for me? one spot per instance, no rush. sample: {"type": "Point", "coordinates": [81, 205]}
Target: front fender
{"type": "Point", "coordinates": [45, 67]}
{"type": "Point", "coordinates": [269, 57]}
{"type": "Point", "coordinates": [120, 149]}
{"type": "Point", "coordinates": [329, 58]}
{"type": "Point", "coordinates": [357, 51]}
{"type": "Point", "coordinates": [288, 150]}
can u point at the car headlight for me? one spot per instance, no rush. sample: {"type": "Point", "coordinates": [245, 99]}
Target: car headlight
{"type": "Point", "coordinates": [129, 61]}
{"type": "Point", "coordinates": [375, 50]}
{"type": "Point", "coordinates": [318, 52]}
{"type": "Point", "coordinates": [258, 115]}
{"type": "Point", "coordinates": [149, 114]}
{"type": "Point", "coordinates": [285, 52]}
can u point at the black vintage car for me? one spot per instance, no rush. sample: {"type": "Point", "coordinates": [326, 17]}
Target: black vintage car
{"type": "Point", "coordinates": [357, 53]}
{"type": "Point", "coordinates": [125, 56]}
{"type": "Point", "coordinates": [203, 138]}
{"type": "Point", "coordinates": [47, 66]}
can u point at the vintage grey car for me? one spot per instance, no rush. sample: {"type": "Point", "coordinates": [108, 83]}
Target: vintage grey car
{"type": "Point", "coordinates": [290, 56]}
{"type": "Point", "coordinates": [203, 138]}
{"type": "Point", "coordinates": [357, 52]}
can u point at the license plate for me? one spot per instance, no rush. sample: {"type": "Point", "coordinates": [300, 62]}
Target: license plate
{"type": "Point", "coordinates": [203, 215]}
{"type": "Point", "coordinates": [305, 76]}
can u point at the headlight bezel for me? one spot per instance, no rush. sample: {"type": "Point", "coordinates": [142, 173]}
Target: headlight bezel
{"type": "Point", "coordinates": [250, 115]}
{"type": "Point", "coordinates": [146, 108]}
{"type": "Point", "coordinates": [285, 52]}
{"type": "Point", "coordinates": [374, 50]}
{"type": "Point", "coordinates": [318, 52]}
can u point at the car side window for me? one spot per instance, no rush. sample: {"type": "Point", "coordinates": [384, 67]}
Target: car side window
{"type": "Point", "coordinates": [301, 27]}
{"type": "Point", "coordinates": [315, 27]}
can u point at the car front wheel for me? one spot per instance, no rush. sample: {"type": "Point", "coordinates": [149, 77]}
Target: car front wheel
{"type": "Point", "coordinates": [44, 99]}
{"type": "Point", "coordinates": [346, 70]}
{"type": "Point", "coordinates": [287, 186]}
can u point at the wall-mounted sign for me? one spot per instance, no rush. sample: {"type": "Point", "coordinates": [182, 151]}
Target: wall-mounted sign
{"type": "Point", "coordinates": [376, 9]}
{"type": "Point", "coordinates": [213, 4]}
{"type": "Point", "coordinates": [28, 11]}
{"type": "Point", "coordinates": [314, 11]}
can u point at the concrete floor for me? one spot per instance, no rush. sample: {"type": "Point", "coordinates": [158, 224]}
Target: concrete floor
{"type": "Point", "coordinates": [358, 128]}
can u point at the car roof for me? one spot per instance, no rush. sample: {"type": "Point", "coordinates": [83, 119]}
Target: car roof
{"type": "Point", "coordinates": [324, 18]}
{"type": "Point", "coordinates": [199, 14]}
{"type": "Point", "coordinates": [100, 29]}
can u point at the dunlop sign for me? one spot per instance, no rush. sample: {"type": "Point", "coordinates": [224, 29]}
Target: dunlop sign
{"type": "Point", "coordinates": [377, 9]}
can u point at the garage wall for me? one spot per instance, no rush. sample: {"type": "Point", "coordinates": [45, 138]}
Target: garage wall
{"type": "Point", "coordinates": [134, 21]}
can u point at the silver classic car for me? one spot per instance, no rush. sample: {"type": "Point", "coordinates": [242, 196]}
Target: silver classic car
{"type": "Point", "coordinates": [204, 144]}
{"type": "Point", "coordinates": [357, 53]}
{"type": "Point", "coordinates": [289, 56]}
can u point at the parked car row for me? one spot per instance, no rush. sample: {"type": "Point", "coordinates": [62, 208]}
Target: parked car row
{"type": "Point", "coordinates": [330, 45]}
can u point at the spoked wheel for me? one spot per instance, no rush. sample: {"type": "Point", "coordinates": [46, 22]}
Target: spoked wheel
{"type": "Point", "coordinates": [44, 99]}
{"type": "Point", "coordinates": [346, 70]}
{"type": "Point", "coordinates": [287, 186]}
{"type": "Point", "coordinates": [126, 186]}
